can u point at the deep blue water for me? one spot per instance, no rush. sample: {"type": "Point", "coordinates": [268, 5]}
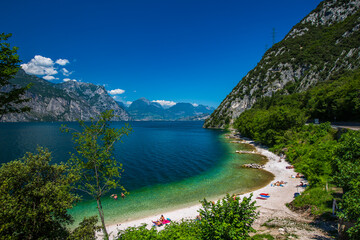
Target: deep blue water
{"type": "Point", "coordinates": [167, 165]}
{"type": "Point", "coordinates": [154, 153]}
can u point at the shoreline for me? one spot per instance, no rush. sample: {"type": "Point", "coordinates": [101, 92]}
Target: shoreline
{"type": "Point", "coordinates": [275, 205]}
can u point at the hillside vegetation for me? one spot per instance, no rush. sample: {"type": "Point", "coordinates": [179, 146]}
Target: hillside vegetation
{"type": "Point", "coordinates": [323, 154]}
{"type": "Point", "coordinates": [323, 46]}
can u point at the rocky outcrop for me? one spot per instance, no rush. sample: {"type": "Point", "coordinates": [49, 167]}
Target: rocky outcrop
{"type": "Point", "coordinates": [325, 43]}
{"type": "Point", "coordinates": [68, 101]}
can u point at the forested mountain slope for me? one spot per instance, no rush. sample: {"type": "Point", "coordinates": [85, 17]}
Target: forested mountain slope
{"type": "Point", "coordinates": [324, 45]}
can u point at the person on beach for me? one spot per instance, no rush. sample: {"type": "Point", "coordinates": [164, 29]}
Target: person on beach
{"type": "Point", "coordinates": [163, 220]}
{"type": "Point", "coordinates": [157, 223]}
{"type": "Point", "coordinates": [234, 197]}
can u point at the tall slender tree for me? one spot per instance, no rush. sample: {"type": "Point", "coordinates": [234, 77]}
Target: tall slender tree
{"type": "Point", "coordinates": [10, 95]}
{"type": "Point", "coordinates": [94, 163]}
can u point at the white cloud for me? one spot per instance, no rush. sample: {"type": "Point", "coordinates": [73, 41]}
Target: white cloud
{"type": "Point", "coordinates": [195, 104]}
{"type": "Point", "coordinates": [68, 79]}
{"type": "Point", "coordinates": [128, 103]}
{"type": "Point", "coordinates": [49, 78]}
{"type": "Point", "coordinates": [66, 72]}
{"type": "Point", "coordinates": [43, 61]}
{"type": "Point", "coordinates": [40, 65]}
{"type": "Point", "coordinates": [116, 91]}
{"type": "Point", "coordinates": [62, 62]}
{"type": "Point", "coordinates": [164, 103]}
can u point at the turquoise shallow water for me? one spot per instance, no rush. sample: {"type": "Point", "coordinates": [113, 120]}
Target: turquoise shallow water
{"type": "Point", "coordinates": [168, 165]}
{"type": "Point", "coordinates": [225, 176]}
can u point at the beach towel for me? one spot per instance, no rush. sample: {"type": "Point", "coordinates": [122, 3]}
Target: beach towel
{"type": "Point", "coordinates": [166, 221]}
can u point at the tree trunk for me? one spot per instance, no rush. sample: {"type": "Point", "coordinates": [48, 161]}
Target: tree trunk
{"type": "Point", "coordinates": [101, 213]}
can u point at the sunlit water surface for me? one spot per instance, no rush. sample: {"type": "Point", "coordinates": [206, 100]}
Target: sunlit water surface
{"type": "Point", "coordinates": [168, 165]}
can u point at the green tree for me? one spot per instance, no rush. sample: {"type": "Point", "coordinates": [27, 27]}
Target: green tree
{"type": "Point", "coordinates": [183, 230]}
{"type": "Point", "coordinates": [86, 229]}
{"type": "Point", "coordinates": [347, 176]}
{"type": "Point", "coordinates": [10, 95]}
{"type": "Point", "coordinates": [269, 125]}
{"type": "Point", "coordinates": [34, 198]}
{"type": "Point", "coordinates": [141, 232]}
{"type": "Point", "coordinates": [228, 218]}
{"type": "Point", "coordinates": [94, 165]}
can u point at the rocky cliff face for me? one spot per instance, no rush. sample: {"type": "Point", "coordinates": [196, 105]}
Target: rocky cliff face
{"type": "Point", "coordinates": [63, 102]}
{"type": "Point", "coordinates": [96, 96]}
{"type": "Point", "coordinates": [324, 44]}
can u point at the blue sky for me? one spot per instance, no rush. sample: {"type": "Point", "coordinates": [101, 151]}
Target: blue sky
{"type": "Point", "coordinates": [174, 50]}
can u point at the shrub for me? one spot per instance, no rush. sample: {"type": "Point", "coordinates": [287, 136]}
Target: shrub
{"type": "Point", "coordinates": [227, 218]}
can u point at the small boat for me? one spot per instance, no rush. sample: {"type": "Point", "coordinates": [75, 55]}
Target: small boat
{"type": "Point", "coordinates": [266, 194]}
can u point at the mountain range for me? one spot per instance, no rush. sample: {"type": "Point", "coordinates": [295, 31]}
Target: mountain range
{"type": "Point", "coordinates": [72, 100]}
{"type": "Point", "coordinates": [67, 101]}
{"type": "Point", "coordinates": [322, 46]}
{"type": "Point", "coordinates": [143, 110]}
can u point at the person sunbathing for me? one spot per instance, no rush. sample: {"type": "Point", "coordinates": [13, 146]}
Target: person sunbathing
{"type": "Point", "coordinates": [157, 223]}
{"type": "Point", "coordinates": [163, 220]}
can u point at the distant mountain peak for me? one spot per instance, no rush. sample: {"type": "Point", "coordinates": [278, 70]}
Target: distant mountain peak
{"type": "Point", "coordinates": [143, 109]}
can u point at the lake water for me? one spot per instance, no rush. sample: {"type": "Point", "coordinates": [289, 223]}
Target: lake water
{"type": "Point", "coordinates": [168, 165]}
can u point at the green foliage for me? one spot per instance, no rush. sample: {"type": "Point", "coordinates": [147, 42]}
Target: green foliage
{"type": "Point", "coordinates": [94, 166]}
{"type": "Point", "coordinates": [268, 126]}
{"type": "Point", "coordinates": [184, 230]}
{"type": "Point", "coordinates": [338, 99]}
{"type": "Point", "coordinates": [134, 233]}
{"type": "Point", "coordinates": [347, 175]}
{"type": "Point", "coordinates": [347, 161]}
{"type": "Point", "coordinates": [86, 229]}
{"type": "Point", "coordinates": [227, 218]}
{"type": "Point", "coordinates": [350, 206]}
{"type": "Point", "coordinates": [34, 198]}
{"type": "Point", "coordinates": [10, 95]}
{"type": "Point", "coordinates": [264, 236]}
{"type": "Point", "coordinates": [310, 150]}
{"type": "Point", "coordinates": [317, 199]}
{"type": "Point", "coordinates": [335, 99]}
